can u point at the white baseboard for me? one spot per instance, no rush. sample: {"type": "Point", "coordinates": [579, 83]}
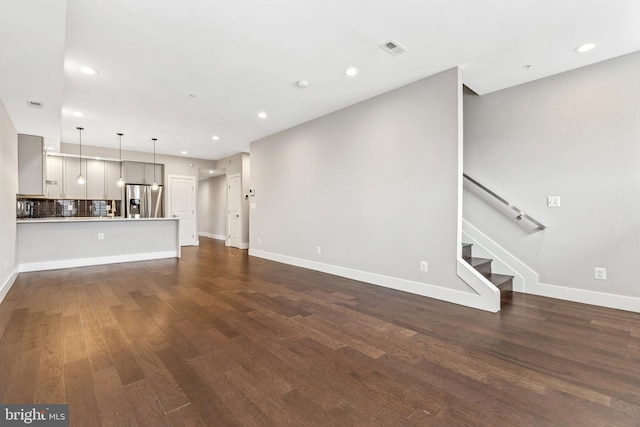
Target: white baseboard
{"type": "Point", "coordinates": [213, 236]}
{"type": "Point", "coordinates": [84, 262]}
{"type": "Point", "coordinates": [6, 286]}
{"type": "Point", "coordinates": [437, 292]}
{"type": "Point", "coordinates": [602, 299]}
{"type": "Point", "coordinates": [526, 280]}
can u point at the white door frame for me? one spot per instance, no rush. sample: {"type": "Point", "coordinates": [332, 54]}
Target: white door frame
{"type": "Point", "coordinates": [228, 242]}
{"type": "Point", "coordinates": [194, 193]}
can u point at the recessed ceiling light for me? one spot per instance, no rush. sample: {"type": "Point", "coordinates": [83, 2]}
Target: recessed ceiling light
{"type": "Point", "coordinates": [303, 84]}
{"type": "Point", "coordinates": [351, 72]}
{"type": "Point", "coordinates": [210, 171]}
{"type": "Point", "coordinates": [78, 114]}
{"type": "Point", "coordinates": [50, 148]}
{"type": "Point", "coordinates": [98, 158]}
{"type": "Point", "coordinates": [183, 152]}
{"type": "Point", "coordinates": [262, 115]}
{"type": "Point", "coordinates": [88, 70]}
{"type": "Point", "coordinates": [584, 48]}
{"type": "Point", "coordinates": [215, 137]}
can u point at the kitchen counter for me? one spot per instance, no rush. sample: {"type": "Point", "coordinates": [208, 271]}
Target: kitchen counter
{"type": "Point", "coordinates": [87, 219]}
{"type": "Point", "coordinates": [52, 243]}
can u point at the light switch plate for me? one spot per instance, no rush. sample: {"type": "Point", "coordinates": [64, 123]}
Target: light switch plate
{"type": "Point", "coordinates": [553, 201]}
{"type": "Point", "coordinates": [600, 273]}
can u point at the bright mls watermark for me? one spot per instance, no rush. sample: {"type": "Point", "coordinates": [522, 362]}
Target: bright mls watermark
{"type": "Point", "coordinates": [36, 415]}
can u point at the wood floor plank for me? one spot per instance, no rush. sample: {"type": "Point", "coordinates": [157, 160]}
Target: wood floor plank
{"type": "Point", "coordinates": [208, 405]}
{"type": "Point", "coordinates": [114, 408]}
{"type": "Point", "coordinates": [21, 382]}
{"type": "Point", "coordinates": [123, 360]}
{"type": "Point", "coordinates": [220, 338]}
{"type": "Point", "coordinates": [50, 383]}
{"type": "Point", "coordinates": [169, 394]}
{"type": "Point", "coordinates": [80, 393]}
{"type": "Point", "coordinates": [146, 406]}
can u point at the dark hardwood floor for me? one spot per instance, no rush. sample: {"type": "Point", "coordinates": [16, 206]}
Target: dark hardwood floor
{"type": "Point", "coordinates": [221, 339]}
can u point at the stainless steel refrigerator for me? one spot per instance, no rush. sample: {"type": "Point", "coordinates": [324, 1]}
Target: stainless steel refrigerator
{"type": "Point", "coordinates": [143, 202]}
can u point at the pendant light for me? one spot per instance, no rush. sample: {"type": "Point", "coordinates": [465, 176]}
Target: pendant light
{"type": "Point", "coordinates": [154, 186]}
{"type": "Point", "coordinates": [120, 182]}
{"type": "Point", "coordinates": [80, 179]}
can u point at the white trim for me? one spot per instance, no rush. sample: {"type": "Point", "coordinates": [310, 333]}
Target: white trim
{"type": "Point", "coordinates": [525, 279]}
{"type": "Point", "coordinates": [602, 299]}
{"type": "Point", "coordinates": [84, 262]}
{"type": "Point", "coordinates": [437, 292]}
{"type": "Point", "coordinates": [244, 246]}
{"type": "Point", "coordinates": [213, 236]}
{"type": "Point", "coordinates": [240, 211]}
{"type": "Point", "coordinates": [487, 295]}
{"type": "Point", "coordinates": [6, 286]}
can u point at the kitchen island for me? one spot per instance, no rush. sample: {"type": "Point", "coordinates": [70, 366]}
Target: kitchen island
{"type": "Point", "coordinates": [52, 243]}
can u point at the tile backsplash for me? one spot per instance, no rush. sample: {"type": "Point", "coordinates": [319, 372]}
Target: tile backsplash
{"type": "Point", "coordinates": [44, 208]}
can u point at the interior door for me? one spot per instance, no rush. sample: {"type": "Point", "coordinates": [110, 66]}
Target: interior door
{"type": "Point", "coordinates": [234, 204]}
{"type": "Point", "coordinates": [182, 196]}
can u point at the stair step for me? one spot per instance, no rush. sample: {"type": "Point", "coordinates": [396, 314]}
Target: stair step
{"type": "Point", "coordinates": [466, 250]}
{"type": "Point", "coordinates": [483, 265]}
{"type": "Point", "coordinates": [501, 281]}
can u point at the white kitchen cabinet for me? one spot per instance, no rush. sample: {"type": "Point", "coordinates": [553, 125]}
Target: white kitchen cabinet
{"type": "Point", "coordinates": [71, 188]}
{"type": "Point", "coordinates": [31, 165]}
{"type": "Point", "coordinates": [95, 179]}
{"type": "Point", "coordinates": [134, 172]}
{"type": "Point", "coordinates": [112, 174]}
{"type": "Point", "coordinates": [148, 173]}
{"type": "Point", "coordinates": [54, 181]}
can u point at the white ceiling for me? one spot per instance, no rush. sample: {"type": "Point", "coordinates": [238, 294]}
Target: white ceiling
{"type": "Point", "coordinates": [183, 71]}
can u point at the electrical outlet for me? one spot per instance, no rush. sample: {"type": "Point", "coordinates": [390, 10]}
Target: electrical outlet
{"type": "Point", "coordinates": [318, 250]}
{"type": "Point", "coordinates": [600, 273]}
{"type": "Point", "coordinates": [553, 201]}
{"type": "Point", "coordinates": [259, 241]}
{"type": "Point", "coordinates": [6, 264]}
{"type": "Point", "coordinates": [100, 236]}
{"type": "Point", "coordinates": [424, 266]}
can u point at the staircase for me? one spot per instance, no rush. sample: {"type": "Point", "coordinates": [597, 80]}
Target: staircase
{"type": "Point", "coordinates": [483, 266]}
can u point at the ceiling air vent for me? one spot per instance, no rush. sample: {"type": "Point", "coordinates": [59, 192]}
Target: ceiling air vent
{"type": "Point", "coordinates": [393, 47]}
{"type": "Point", "coordinates": [35, 104]}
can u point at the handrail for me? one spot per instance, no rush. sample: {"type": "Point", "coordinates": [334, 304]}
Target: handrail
{"type": "Point", "coordinates": [521, 214]}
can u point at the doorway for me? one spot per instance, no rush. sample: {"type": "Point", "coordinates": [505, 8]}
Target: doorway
{"type": "Point", "coordinates": [182, 196]}
{"type": "Point", "coordinates": [235, 211]}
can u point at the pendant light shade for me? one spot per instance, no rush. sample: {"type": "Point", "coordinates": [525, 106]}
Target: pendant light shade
{"type": "Point", "coordinates": [154, 186]}
{"type": "Point", "coordinates": [120, 182]}
{"type": "Point", "coordinates": [80, 178]}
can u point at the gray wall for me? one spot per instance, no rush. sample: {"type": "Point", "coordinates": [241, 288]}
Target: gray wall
{"type": "Point", "coordinates": [212, 207]}
{"type": "Point", "coordinates": [8, 190]}
{"type": "Point", "coordinates": [375, 185]}
{"type": "Point", "coordinates": [574, 135]}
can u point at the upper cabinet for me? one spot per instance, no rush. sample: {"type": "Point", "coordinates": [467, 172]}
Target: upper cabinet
{"type": "Point", "coordinates": [95, 179]}
{"type": "Point", "coordinates": [54, 182]}
{"type": "Point", "coordinates": [71, 170]}
{"type": "Point", "coordinates": [31, 165]}
{"type": "Point", "coordinates": [134, 172]}
{"type": "Point", "coordinates": [112, 174]}
{"type": "Point", "coordinates": [153, 173]}
{"type": "Point", "coordinates": [101, 178]}
{"type": "Point", "coordinates": [143, 173]}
